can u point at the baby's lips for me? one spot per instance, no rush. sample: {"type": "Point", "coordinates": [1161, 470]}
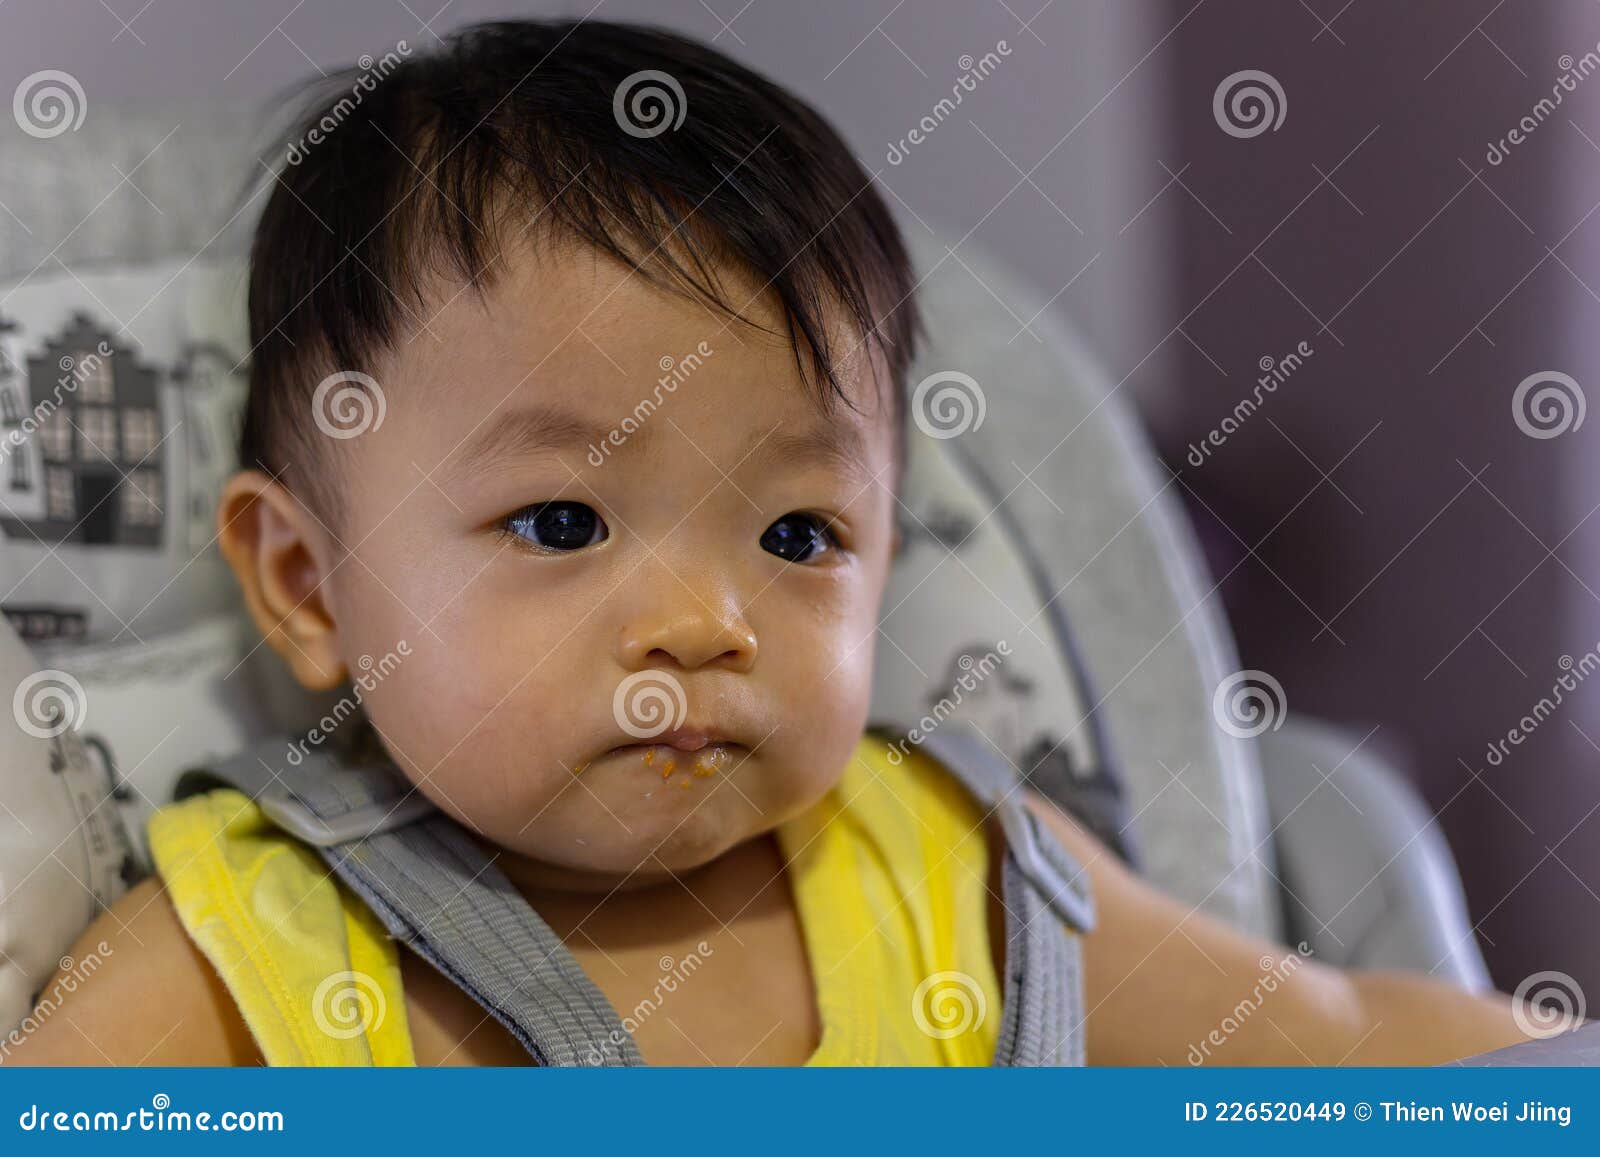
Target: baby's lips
{"type": "Point", "coordinates": [701, 737]}
{"type": "Point", "coordinates": [685, 739]}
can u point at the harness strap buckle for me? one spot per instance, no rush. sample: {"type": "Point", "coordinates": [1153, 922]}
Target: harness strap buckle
{"type": "Point", "coordinates": [316, 798]}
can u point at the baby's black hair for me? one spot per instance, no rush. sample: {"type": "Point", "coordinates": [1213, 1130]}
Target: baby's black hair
{"type": "Point", "coordinates": [424, 162]}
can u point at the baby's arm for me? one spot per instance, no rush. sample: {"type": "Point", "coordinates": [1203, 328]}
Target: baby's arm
{"type": "Point", "coordinates": [1160, 979]}
{"type": "Point", "coordinates": [153, 998]}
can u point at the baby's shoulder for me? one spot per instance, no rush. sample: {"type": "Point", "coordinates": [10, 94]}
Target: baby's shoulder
{"type": "Point", "coordinates": [134, 989]}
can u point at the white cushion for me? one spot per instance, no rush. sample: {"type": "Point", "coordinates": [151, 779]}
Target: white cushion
{"type": "Point", "coordinates": [64, 850]}
{"type": "Point", "coordinates": [139, 620]}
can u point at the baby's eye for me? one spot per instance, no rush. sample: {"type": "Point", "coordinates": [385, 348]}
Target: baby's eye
{"type": "Point", "coordinates": [558, 525]}
{"type": "Point", "coordinates": [797, 537]}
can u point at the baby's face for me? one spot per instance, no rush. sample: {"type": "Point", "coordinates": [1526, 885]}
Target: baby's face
{"type": "Point", "coordinates": [636, 567]}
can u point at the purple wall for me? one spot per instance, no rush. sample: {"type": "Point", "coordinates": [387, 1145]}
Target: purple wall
{"type": "Point", "coordinates": [1391, 524]}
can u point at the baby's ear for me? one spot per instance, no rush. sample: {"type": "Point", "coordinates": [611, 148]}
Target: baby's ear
{"type": "Point", "coordinates": [278, 552]}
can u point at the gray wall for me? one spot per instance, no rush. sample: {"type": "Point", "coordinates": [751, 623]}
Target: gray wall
{"type": "Point", "coordinates": [875, 69]}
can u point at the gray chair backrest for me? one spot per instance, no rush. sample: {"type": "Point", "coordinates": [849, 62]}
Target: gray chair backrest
{"type": "Point", "coordinates": [1065, 464]}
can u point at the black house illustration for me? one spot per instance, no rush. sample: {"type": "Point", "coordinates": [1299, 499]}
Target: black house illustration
{"type": "Point", "coordinates": [201, 369]}
{"type": "Point", "coordinates": [14, 474]}
{"type": "Point", "coordinates": [98, 427]}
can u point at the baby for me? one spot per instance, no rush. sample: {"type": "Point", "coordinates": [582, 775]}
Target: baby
{"type": "Point", "coordinates": [577, 373]}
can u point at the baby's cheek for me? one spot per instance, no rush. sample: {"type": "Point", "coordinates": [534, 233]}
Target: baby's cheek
{"type": "Point", "coordinates": [404, 710]}
{"type": "Point", "coordinates": [829, 680]}
{"type": "Point", "coordinates": [431, 706]}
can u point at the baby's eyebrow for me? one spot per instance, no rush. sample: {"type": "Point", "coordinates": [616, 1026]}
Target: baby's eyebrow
{"type": "Point", "coordinates": [835, 444]}
{"type": "Point", "coordinates": [524, 433]}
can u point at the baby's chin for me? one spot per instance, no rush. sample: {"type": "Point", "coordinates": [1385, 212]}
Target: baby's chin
{"type": "Point", "coordinates": [596, 853]}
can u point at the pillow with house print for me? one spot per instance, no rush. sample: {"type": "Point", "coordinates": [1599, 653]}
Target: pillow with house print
{"type": "Point", "coordinates": [117, 424]}
{"type": "Point", "coordinates": [119, 408]}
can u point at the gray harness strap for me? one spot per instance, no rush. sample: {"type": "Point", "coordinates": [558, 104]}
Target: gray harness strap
{"type": "Point", "coordinates": [1044, 893]}
{"type": "Point", "coordinates": [436, 890]}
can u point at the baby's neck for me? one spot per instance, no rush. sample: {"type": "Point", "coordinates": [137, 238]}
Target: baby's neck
{"type": "Point", "coordinates": [714, 893]}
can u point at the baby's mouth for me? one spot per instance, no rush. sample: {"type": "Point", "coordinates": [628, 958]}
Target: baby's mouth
{"type": "Point", "coordinates": [680, 757]}
{"type": "Point", "coordinates": [701, 762]}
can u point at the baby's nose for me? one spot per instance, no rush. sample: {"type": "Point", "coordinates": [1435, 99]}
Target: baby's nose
{"type": "Point", "coordinates": [690, 637]}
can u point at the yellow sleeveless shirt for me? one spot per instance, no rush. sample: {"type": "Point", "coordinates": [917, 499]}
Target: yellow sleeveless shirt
{"type": "Point", "coordinates": [889, 873]}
